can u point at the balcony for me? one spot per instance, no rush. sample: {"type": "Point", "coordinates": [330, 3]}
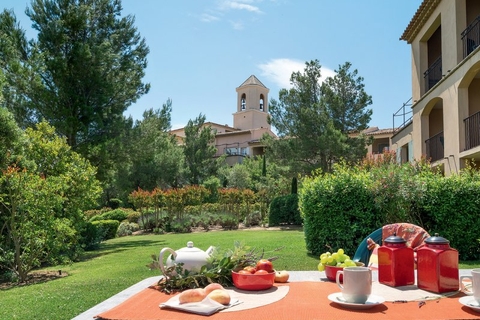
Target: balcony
{"type": "Point", "coordinates": [433, 74]}
{"type": "Point", "coordinates": [405, 113]}
{"type": "Point", "coordinates": [434, 147]}
{"type": "Point", "coordinates": [472, 131]}
{"type": "Point", "coordinates": [471, 37]}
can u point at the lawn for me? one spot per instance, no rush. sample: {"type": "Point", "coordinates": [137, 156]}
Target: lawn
{"type": "Point", "coordinates": [121, 262]}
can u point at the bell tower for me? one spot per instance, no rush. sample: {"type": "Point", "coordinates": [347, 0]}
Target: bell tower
{"type": "Point", "coordinates": [252, 105]}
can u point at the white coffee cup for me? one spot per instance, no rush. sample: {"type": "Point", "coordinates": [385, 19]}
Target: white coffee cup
{"type": "Point", "coordinates": [474, 290]}
{"type": "Point", "coordinates": [357, 284]}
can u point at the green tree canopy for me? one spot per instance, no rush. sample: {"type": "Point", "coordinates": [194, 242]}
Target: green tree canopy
{"type": "Point", "coordinates": [80, 74]}
{"type": "Point", "coordinates": [157, 160]}
{"type": "Point", "coordinates": [10, 135]}
{"type": "Point", "coordinates": [314, 120]}
{"type": "Point", "coordinates": [199, 150]}
{"type": "Point", "coordinates": [42, 204]}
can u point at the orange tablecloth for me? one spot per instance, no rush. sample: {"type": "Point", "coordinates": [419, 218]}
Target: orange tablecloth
{"type": "Point", "coordinates": [305, 300]}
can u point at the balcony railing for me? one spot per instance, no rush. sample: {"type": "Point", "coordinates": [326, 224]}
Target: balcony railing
{"type": "Point", "coordinates": [472, 131]}
{"type": "Point", "coordinates": [405, 114]}
{"type": "Point", "coordinates": [433, 74]}
{"type": "Point", "coordinates": [471, 37]}
{"type": "Point", "coordinates": [434, 146]}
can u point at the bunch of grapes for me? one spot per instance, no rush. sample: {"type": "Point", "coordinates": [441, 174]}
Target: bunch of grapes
{"type": "Point", "coordinates": [337, 259]}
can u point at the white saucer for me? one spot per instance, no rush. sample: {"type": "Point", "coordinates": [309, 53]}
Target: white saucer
{"type": "Point", "coordinates": [372, 301]}
{"type": "Point", "coordinates": [468, 301]}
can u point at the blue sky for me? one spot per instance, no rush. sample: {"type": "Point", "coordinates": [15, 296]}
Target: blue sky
{"type": "Point", "coordinates": [202, 50]}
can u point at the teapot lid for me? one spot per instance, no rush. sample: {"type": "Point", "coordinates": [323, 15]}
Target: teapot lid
{"type": "Point", "coordinates": [190, 248]}
{"type": "Point", "coordinates": [436, 239]}
{"type": "Point", "coordinates": [394, 239]}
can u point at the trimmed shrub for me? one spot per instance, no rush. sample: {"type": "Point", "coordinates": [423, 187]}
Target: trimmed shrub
{"type": "Point", "coordinates": [92, 235]}
{"type": "Point", "coordinates": [451, 208]}
{"type": "Point", "coordinates": [117, 214]}
{"type": "Point", "coordinates": [133, 216]}
{"type": "Point", "coordinates": [109, 227]}
{"type": "Point", "coordinates": [338, 211]}
{"type": "Point", "coordinates": [284, 210]}
{"type": "Point", "coordinates": [115, 203]}
{"type": "Point", "coordinates": [127, 229]}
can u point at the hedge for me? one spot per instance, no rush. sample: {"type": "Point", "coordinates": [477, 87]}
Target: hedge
{"type": "Point", "coordinates": [342, 208]}
{"type": "Point", "coordinates": [284, 210]}
{"type": "Point", "coordinates": [338, 212]}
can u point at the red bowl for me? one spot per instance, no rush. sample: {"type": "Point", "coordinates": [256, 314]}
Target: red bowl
{"type": "Point", "coordinates": [253, 281]}
{"type": "Point", "coordinates": [331, 271]}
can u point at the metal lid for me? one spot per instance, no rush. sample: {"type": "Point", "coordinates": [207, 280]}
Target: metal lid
{"type": "Point", "coordinates": [394, 239]}
{"type": "Point", "coordinates": [436, 239]}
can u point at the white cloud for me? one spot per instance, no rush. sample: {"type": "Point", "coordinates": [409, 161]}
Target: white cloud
{"type": "Point", "coordinates": [224, 6]}
{"type": "Point", "coordinates": [239, 5]}
{"type": "Point", "coordinates": [243, 6]}
{"type": "Point", "coordinates": [280, 70]}
{"type": "Point", "coordinates": [205, 17]}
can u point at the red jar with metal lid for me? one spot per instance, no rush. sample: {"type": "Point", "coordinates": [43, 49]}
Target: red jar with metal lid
{"type": "Point", "coordinates": [395, 262]}
{"type": "Point", "coordinates": [437, 266]}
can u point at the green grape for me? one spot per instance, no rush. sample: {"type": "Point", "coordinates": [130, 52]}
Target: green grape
{"type": "Point", "coordinates": [335, 256]}
{"type": "Point", "coordinates": [331, 262]}
{"type": "Point", "coordinates": [342, 257]}
{"type": "Point", "coordinates": [350, 263]}
{"type": "Point", "coordinates": [321, 267]}
{"type": "Point", "coordinates": [340, 251]}
{"type": "Point", "coordinates": [323, 255]}
{"type": "Point", "coordinates": [324, 260]}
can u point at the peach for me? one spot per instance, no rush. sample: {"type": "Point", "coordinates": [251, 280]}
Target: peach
{"type": "Point", "coordinates": [213, 286]}
{"type": "Point", "coordinates": [220, 295]}
{"type": "Point", "coordinates": [191, 295]}
{"type": "Point", "coordinates": [281, 276]}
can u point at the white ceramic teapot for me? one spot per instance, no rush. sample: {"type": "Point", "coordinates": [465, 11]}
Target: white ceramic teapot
{"type": "Point", "coordinates": [192, 258]}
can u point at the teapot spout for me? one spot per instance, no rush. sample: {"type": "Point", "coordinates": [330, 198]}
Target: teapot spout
{"type": "Point", "coordinates": [210, 250]}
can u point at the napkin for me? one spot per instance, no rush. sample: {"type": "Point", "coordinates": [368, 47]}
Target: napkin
{"type": "Point", "coordinates": [205, 307]}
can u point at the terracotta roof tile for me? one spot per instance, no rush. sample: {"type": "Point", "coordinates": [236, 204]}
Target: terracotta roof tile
{"type": "Point", "coordinates": [423, 13]}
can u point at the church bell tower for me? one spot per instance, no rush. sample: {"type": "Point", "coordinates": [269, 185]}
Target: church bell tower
{"type": "Point", "coordinates": [252, 105]}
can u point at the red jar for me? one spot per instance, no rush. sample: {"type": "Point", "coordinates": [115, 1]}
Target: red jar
{"type": "Point", "coordinates": [437, 266]}
{"type": "Point", "coordinates": [395, 262]}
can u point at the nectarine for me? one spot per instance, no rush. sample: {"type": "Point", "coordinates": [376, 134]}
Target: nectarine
{"type": "Point", "coordinates": [192, 295]}
{"type": "Point", "coordinates": [220, 295]}
{"type": "Point", "coordinates": [213, 286]}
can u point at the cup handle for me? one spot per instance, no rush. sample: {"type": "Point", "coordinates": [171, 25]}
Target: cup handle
{"type": "Point", "coordinates": [337, 279]}
{"type": "Point", "coordinates": [464, 288]}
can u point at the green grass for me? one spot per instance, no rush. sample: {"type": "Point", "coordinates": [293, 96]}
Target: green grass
{"type": "Point", "coordinates": [121, 262]}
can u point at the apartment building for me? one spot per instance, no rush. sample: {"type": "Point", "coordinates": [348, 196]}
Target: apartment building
{"type": "Point", "coordinates": [249, 124]}
{"type": "Point", "coordinates": [445, 113]}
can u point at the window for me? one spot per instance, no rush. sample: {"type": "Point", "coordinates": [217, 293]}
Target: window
{"type": "Point", "coordinates": [231, 151]}
{"type": "Point", "coordinates": [243, 102]}
{"type": "Point", "coordinates": [261, 102]}
{"type": "Point", "coordinates": [382, 148]}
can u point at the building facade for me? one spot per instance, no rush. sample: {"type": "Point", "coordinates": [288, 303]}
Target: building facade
{"type": "Point", "coordinates": [250, 123]}
{"type": "Point", "coordinates": [444, 126]}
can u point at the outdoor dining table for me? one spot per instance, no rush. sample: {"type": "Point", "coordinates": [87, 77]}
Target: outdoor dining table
{"type": "Point", "coordinates": [306, 298]}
